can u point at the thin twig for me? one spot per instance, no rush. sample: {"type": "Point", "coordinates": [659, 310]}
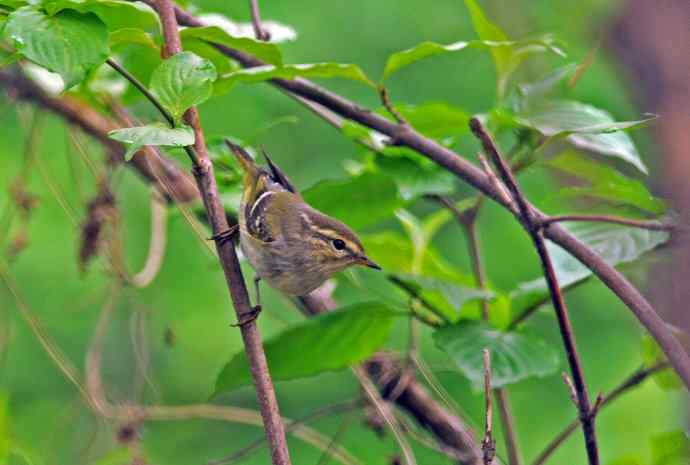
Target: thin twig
{"type": "Point", "coordinates": [412, 292]}
{"type": "Point", "coordinates": [383, 94]}
{"type": "Point", "coordinates": [143, 89]}
{"type": "Point", "coordinates": [154, 258]}
{"type": "Point", "coordinates": [527, 218]}
{"type": "Point", "coordinates": [628, 383]}
{"type": "Point", "coordinates": [259, 31]}
{"type": "Point", "coordinates": [488, 443]}
{"type": "Point", "coordinates": [289, 428]}
{"type": "Point", "coordinates": [381, 407]}
{"type": "Point", "coordinates": [206, 181]}
{"type": "Point", "coordinates": [650, 225]}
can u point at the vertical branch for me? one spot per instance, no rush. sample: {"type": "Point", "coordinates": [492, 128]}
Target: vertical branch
{"type": "Point", "coordinates": [259, 31]}
{"type": "Point", "coordinates": [531, 223]}
{"type": "Point", "coordinates": [203, 173]}
{"type": "Point", "coordinates": [468, 221]}
{"type": "Point", "coordinates": [488, 444]}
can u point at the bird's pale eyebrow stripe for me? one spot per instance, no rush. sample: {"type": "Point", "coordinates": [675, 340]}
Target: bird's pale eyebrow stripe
{"type": "Point", "coordinates": [258, 201]}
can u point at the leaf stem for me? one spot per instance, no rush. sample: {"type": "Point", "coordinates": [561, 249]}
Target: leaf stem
{"type": "Point", "coordinates": [142, 88]}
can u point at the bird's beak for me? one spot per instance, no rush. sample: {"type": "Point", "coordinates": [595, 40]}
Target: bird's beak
{"type": "Point", "coordinates": [366, 261]}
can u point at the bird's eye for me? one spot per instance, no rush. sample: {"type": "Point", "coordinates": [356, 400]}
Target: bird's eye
{"type": "Point", "coordinates": [338, 244]}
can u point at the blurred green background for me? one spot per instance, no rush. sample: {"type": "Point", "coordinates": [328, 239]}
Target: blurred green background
{"type": "Point", "coordinates": [189, 299]}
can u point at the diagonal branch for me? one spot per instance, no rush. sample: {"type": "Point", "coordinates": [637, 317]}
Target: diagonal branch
{"type": "Point", "coordinates": [528, 219]}
{"type": "Point", "coordinates": [630, 382]}
{"type": "Point", "coordinates": [466, 171]}
{"type": "Point", "coordinates": [206, 181]}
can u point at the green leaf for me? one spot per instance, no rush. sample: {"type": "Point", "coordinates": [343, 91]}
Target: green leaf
{"type": "Point", "coordinates": [13, 4]}
{"type": "Point", "coordinates": [116, 14]}
{"type": "Point", "coordinates": [605, 183]}
{"type": "Point", "coordinates": [152, 134]}
{"type": "Point", "coordinates": [182, 81]}
{"type": "Point", "coordinates": [428, 49]}
{"type": "Point", "coordinates": [328, 342]}
{"type": "Point", "coordinates": [206, 50]}
{"type": "Point", "coordinates": [614, 243]}
{"type": "Point", "coordinates": [506, 59]}
{"type": "Point", "coordinates": [69, 43]}
{"type": "Point", "coordinates": [514, 356]}
{"type": "Point", "coordinates": [531, 93]}
{"type": "Point", "coordinates": [131, 36]}
{"type": "Point", "coordinates": [435, 119]}
{"type": "Point", "coordinates": [313, 70]}
{"type": "Point", "coordinates": [265, 51]}
{"type": "Point", "coordinates": [585, 127]}
{"type": "Point", "coordinates": [672, 448]}
{"type": "Point", "coordinates": [652, 354]}
{"type": "Point", "coordinates": [357, 201]}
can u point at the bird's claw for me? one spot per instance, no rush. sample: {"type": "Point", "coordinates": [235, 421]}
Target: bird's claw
{"type": "Point", "coordinates": [225, 236]}
{"type": "Point", "coordinates": [247, 318]}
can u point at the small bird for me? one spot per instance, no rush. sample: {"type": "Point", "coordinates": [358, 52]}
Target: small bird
{"type": "Point", "coordinates": [292, 246]}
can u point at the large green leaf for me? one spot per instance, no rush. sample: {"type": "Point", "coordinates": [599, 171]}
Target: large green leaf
{"type": "Point", "coordinates": [313, 70]}
{"type": "Point", "coordinates": [182, 81]}
{"type": "Point", "coordinates": [153, 134]}
{"type": "Point", "coordinates": [427, 49]}
{"type": "Point", "coordinates": [586, 127]}
{"type": "Point", "coordinates": [328, 342]}
{"type": "Point", "coordinates": [116, 14]}
{"type": "Point", "coordinates": [68, 43]}
{"type": "Point", "coordinates": [264, 51]}
{"type": "Point", "coordinates": [514, 356]}
{"type": "Point", "coordinates": [614, 243]}
{"type": "Point", "coordinates": [358, 201]}
{"type": "Point", "coordinates": [605, 183]}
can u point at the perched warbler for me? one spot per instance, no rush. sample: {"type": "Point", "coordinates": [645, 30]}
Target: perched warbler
{"type": "Point", "coordinates": [292, 246]}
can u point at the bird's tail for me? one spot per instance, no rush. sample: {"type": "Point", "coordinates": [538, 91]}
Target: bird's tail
{"type": "Point", "coordinates": [246, 161]}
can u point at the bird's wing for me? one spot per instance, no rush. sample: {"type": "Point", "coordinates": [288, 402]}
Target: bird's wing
{"type": "Point", "coordinates": [271, 215]}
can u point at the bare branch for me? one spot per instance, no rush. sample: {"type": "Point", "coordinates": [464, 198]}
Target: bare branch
{"type": "Point", "coordinates": [259, 31]}
{"type": "Point", "coordinates": [650, 225]}
{"type": "Point", "coordinates": [489, 443]}
{"type": "Point", "coordinates": [528, 219]}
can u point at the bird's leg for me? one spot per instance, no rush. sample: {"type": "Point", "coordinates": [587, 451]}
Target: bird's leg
{"type": "Point", "coordinates": [257, 289]}
{"type": "Point", "coordinates": [226, 235]}
{"type": "Point", "coordinates": [256, 309]}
